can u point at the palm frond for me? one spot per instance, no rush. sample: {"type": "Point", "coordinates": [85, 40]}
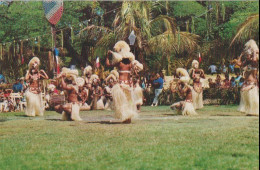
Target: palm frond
{"type": "Point", "coordinates": [248, 29]}
{"type": "Point", "coordinates": [164, 23]}
{"type": "Point", "coordinates": [169, 42]}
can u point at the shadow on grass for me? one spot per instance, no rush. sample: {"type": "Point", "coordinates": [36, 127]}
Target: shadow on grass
{"type": "Point", "coordinates": [22, 116]}
{"type": "Point", "coordinates": [108, 122]}
{"type": "Point", "coordinates": [173, 114]}
{"type": "Point", "coordinates": [3, 119]}
{"type": "Point", "coordinates": [57, 120]}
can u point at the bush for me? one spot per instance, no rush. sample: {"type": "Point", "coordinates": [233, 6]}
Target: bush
{"type": "Point", "coordinates": [210, 96]}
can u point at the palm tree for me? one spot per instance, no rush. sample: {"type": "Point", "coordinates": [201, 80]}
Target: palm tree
{"type": "Point", "coordinates": [249, 29]}
{"type": "Point", "coordinates": [152, 33]}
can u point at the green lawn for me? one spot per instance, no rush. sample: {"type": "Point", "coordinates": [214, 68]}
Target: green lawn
{"type": "Point", "coordinates": [218, 138]}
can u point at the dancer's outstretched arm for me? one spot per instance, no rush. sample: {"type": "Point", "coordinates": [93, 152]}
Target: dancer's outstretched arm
{"type": "Point", "coordinates": [44, 75]}
{"type": "Point", "coordinates": [107, 59]}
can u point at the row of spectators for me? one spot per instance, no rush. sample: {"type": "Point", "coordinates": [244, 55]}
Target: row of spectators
{"type": "Point", "coordinates": [227, 82]}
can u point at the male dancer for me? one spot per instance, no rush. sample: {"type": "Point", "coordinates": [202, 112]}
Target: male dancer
{"type": "Point", "coordinates": [69, 111]}
{"type": "Point", "coordinates": [186, 106]}
{"type": "Point", "coordinates": [111, 80]}
{"type": "Point", "coordinates": [122, 92]}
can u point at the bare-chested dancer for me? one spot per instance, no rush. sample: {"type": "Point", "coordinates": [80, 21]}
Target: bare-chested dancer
{"type": "Point", "coordinates": [111, 80]}
{"type": "Point", "coordinates": [69, 111]}
{"type": "Point", "coordinates": [122, 92]}
{"type": "Point", "coordinates": [96, 93]}
{"type": "Point", "coordinates": [186, 106]}
{"type": "Point", "coordinates": [33, 94]}
{"type": "Point", "coordinates": [249, 102]}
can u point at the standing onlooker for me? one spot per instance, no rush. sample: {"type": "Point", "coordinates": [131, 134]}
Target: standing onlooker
{"type": "Point", "coordinates": [237, 78]}
{"type": "Point", "coordinates": [236, 65]}
{"type": "Point", "coordinates": [17, 87]}
{"type": "Point", "coordinates": [158, 84]}
{"type": "Point", "coordinates": [223, 69]}
{"type": "Point", "coordinates": [231, 67]}
{"type": "Point", "coordinates": [218, 81]}
{"type": "Point", "coordinates": [233, 82]}
{"type": "Point", "coordinates": [2, 78]}
{"type": "Point", "coordinates": [241, 82]}
{"type": "Point", "coordinates": [213, 69]}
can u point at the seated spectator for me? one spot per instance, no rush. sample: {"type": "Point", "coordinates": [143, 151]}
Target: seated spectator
{"type": "Point", "coordinates": [241, 82]}
{"type": "Point", "coordinates": [226, 82]}
{"type": "Point", "coordinates": [2, 79]}
{"type": "Point", "coordinates": [211, 83]}
{"type": "Point", "coordinates": [23, 82]}
{"type": "Point", "coordinates": [236, 65]}
{"type": "Point", "coordinates": [218, 81]}
{"type": "Point", "coordinates": [17, 87]}
{"type": "Point", "coordinates": [233, 82]}
{"type": "Point", "coordinates": [7, 92]}
{"type": "Point", "coordinates": [8, 105]}
{"type": "Point", "coordinates": [213, 69]}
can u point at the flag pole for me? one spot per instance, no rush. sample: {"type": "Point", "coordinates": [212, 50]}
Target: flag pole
{"type": "Point", "coordinates": [53, 48]}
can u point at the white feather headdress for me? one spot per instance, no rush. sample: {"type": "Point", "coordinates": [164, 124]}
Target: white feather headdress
{"type": "Point", "coordinates": [122, 51]}
{"type": "Point", "coordinates": [93, 77]}
{"type": "Point", "coordinates": [87, 70]}
{"type": "Point", "coordinates": [70, 74]}
{"type": "Point", "coordinates": [32, 61]}
{"type": "Point", "coordinates": [115, 73]}
{"type": "Point", "coordinates": [111, 76]}
{"type": "Point", "coordinates": [184, 75]}
{"type": "Point", "coordinates": [194, 62]}
{"type": "Point", "coordinates": [137, 65]}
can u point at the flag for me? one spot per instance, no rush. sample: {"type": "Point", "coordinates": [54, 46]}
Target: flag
{"type": "Point", "coordinates": [56, 55]}
{"type": "Point", "coordinates": [200, 59]}
{"type": "Point", "coordinates": [97, 62]}
{"type": "Point", "coordinates": [22, 59]}
{"type": "Point", "coordinates": [53, 10]}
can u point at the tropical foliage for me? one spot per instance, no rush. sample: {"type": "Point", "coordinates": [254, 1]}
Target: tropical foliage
{"type": "Point", "coordinates": [168, 34]}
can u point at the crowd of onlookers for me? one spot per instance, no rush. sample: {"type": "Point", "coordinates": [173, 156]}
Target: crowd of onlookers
{"type": "Point", "coordinates": [6, 102]}
{"type": "Point", "coordinates": [227, 82]}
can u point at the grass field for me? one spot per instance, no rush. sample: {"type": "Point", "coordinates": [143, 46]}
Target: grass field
{"type": "Point", "coordinates": [218, 138]}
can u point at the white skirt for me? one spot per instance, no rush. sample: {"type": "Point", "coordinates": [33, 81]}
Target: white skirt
{"type": "Point", "coordinates": [188, 109]}
{"type": "Point", "coordinates": [123, 100]}
{"type": "Point", "coordinates": [138, 95]}
{"type": "Point", "coordinates": [34, 105]}
{"type": "Point", "coordinates": [249, 102]}
{"type": "Point", "coordinates": [75, 108]}
{"type": "Point", "coordinates": [197, 99]}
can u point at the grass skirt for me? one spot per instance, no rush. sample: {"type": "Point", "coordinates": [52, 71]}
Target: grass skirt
{"type": "Point", "coordinates": [123, 100]}
{"type": "Point", "coordinates": [85, 107]}
{"type": "Point", "coordinates": [34, 104]}
{"type": "Point", "coordinates": [75, 108]}
{"type": "Point", "coordinates": [186, 108]}
{"type": "Point", "coordinates": [197, 99]}
{"type": "Point", "coordinates": [100, 105]}
{"type": "Point", "coordinates": [249, 102]}
{"type": "Point", "coordinates": [138, 95]}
